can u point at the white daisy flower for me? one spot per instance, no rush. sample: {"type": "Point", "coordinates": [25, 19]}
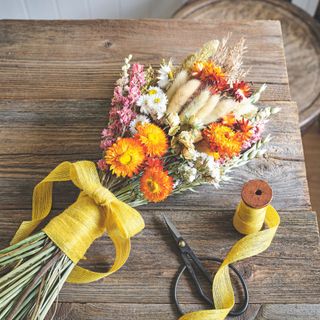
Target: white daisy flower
{"type": "Point", "coordinates": [165, 74]}
{"type": "Point", "coordinates": [158, 104]}
{"type": "Point", "coordinates": [144, 103]}
{"type": "Point", "coordinates": [139, 120]}
{"type": "Point", "coordinates": [153, 91]}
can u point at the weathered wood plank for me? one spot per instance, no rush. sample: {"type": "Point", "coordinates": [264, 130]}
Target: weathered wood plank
{"type": "Point", "coordinates": [37, 135]}
{"type": "Point", "coordinates": [281, 271]}
{"type": "Point", "coordinates": [289, 311]}
{"type": "Point", "coordinates": [81, 59]}
{"type": "Point", "coordinates": [109, 311]}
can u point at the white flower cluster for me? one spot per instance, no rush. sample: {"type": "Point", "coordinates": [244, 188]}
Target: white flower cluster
{"type": "Point", "coordinates": [154, 103]}
{"type": "Point", "coordinates": [209, 169]}
{"type": "Point", "coordinates": [124, 80]}
{"type": "Point", "coordinates": [202, 169]}
{"type": "Point", "coordinates": [165, 74]}
{"type": "Point", "coordinates": [188, 172]}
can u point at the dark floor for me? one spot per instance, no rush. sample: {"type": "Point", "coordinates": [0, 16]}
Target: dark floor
{"type": "Point", "coordinates": [311, 145]}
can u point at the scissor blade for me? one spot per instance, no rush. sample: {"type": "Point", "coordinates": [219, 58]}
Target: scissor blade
{"type": "Point", "coordinates": [172, 228]}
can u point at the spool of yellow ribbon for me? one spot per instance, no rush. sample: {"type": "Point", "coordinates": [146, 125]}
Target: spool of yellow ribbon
{"type": "Point", "coordinates": [250, 222]}
{"type": "Point", "coordinates": [95, 212]}
{"type": "Point", "coordinates": [251, 211]}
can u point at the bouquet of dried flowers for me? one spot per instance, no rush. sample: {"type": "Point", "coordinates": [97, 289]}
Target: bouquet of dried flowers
{"type": "Point", "coordinates": [177, 127]}
{"type": "Point", "coordinates": [169, 131]}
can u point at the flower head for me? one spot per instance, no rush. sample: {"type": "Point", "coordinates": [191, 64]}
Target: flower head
{"type": "Point", "coordinates": [153, 91]}
{"type": "Point", "coordinates": [153, 139]}
{"type": "Point", "coordinates": [229, 120]}
{"type": "Point", "coordinates": [102, 164]}
{"type": "Point", "coordinates": [153, 103]}
{"type": "Point", "coordinates": [155, 184]}
{"type": "Point", "coordinates": [125, 157]}
{"type": "Point", "coordinates": [245, 128]}
{"type": "Point", "coordinates": [212, 75]}
{"type": "Point", "coordinates": [241, 90]}
{"type": "Point", "coordinates": [126, 114]}
{"type": "Point", "coordinates": [222, 139]}
{"type": "Point", "coordinates": [165, 74]}
{"type": "Point", "coordinates": [154, 163]}
{"type": "Point", "coordinates": [139, 120]}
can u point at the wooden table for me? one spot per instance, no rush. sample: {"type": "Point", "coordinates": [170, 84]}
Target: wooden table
{"type": "Point", "coordinates": [56, 79]}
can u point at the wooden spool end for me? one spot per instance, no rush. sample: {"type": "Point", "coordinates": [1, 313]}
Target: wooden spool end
{"type": "Point", "coordinates": [256, 194]}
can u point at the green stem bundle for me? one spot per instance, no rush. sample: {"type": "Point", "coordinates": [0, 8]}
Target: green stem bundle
{"type": "Point", "coordinates": [33, 272]}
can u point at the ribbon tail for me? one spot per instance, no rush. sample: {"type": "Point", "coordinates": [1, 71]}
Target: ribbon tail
{"type": "Point", "coordinates": [82, 275]}
{"type": "Point", "coordinates": [25, 229]}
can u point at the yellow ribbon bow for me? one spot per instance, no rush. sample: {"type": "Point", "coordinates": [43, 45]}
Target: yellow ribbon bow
{"type": "Point", "coordinates": [95, 212]}
{"type": "Point", "coordinates": [248, 246]}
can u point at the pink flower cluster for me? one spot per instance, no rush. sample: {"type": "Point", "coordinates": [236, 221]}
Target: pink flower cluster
{"type": "Point", "coordinates": [122, 110]}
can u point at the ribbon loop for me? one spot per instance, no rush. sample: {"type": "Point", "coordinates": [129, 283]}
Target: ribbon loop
{"type": "Point", "coordinates": [95, 212]}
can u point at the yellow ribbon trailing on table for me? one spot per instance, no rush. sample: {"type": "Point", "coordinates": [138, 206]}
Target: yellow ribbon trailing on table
{"type": "Point", "coordinates": [95, 212]}
{"type": "Point", "coordinates": [248, 246]}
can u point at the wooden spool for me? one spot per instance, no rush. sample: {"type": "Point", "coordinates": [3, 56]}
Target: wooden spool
{"type": "Point", "coordinates": [301, 35]}
{"type": "Point", "coordinates": [256, 194]}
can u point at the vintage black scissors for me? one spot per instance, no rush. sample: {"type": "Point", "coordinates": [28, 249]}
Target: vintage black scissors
{"type": "Point", "coordinates": [190, 260]}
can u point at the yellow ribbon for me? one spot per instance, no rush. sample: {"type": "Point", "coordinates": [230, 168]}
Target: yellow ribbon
{"type": "Point", "coordinates": [248, 246]}
{"type": "Point", "coordinates": [247, 220]}
{"type": "Point", "coordinates": [96, 211]}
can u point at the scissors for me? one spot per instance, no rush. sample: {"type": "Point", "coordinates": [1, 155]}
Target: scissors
{"type": "Point", "coordinates": [189, 259]}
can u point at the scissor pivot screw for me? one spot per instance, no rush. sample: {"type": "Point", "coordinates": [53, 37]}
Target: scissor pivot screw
{"type": "Point", "coordinates": [182, 244]}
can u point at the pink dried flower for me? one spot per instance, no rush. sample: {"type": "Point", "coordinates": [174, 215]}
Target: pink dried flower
{"type": "Point", "coordinates": [102, 165]}
{"type": "Point", "coordinates": [105, 144]}
{"type": "Point", "coordinates": [134, 94]}
{"type": "Point", "coordinates": [126, 115]}
{"type": "Point", "coordinates": [107, 132]}
{"type": "Point", "coordinates": [137, 74]}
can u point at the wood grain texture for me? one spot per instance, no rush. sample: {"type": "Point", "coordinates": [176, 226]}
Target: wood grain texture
{"type": "Point", "coordinates": [108, 311]}
{"type": "Point", "coordinates": [301, 34]}
{"type": "Point", "coordinates": [56, 80]}
{"type": "Point", "coordinates": [82, 59]}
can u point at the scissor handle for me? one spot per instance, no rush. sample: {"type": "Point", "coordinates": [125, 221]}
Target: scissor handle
{"type": "Point", "coordinates": [188, 266]}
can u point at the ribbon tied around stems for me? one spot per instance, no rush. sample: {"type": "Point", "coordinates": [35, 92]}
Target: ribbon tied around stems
{"type": "Point", "coordinates": [95, 212]}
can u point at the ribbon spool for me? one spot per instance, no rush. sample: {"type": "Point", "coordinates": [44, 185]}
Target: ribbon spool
{"type": "Point", "coordinates": [250, 214]}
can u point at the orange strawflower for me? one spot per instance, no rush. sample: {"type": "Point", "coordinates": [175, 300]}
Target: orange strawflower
{"type": "Point", "coordinates": [245, 129]}
{"type": "Point", "coordinates": [207, 70]}
{"type": "Point", "coordinates": [154, 162]}
{"type": "Point", "coordinates": [222, 139]}
{"type": "Point", "coordinates": [211, 74]}
{"type": "Point", "coordinates": [241, 90]}
{"type": "Point", "coordinates": [155, 184]}
{"type": "Point", "coordinates": [229, 120]}
{"type": "Point", "coordinates": [125, 157]}
{"type": "Point", "coordinates": [153, 139]}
